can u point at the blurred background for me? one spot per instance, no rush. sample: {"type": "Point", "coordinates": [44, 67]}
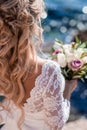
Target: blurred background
{"type": "Point", "coordinates": [65, 20]}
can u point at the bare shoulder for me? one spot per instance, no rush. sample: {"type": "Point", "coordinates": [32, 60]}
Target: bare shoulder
{"type": "Point", "coordinates": [41, 61]}
{"type": "Point", "coordinates": [49, 64]}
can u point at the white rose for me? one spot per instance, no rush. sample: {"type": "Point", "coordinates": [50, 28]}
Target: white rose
{"type": "Point", "coordinates": [70, 57]}
{"type": "Point", "coordinates": [67, 48]}
{"type": "Point", "coordinates": [84, 60]}
{"type": "Point", "coordinates": [68, 52]}
{"type": "Point", "coordinates": [78, 52]}
{"type": "Point", "coordinates": [61, 60]}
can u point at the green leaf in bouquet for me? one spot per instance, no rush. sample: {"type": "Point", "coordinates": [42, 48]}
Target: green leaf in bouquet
{"type": "Point", "coordinates": [78, 45]}
{"type": "Point", "coordinates": [58, 41]}
{"type": "Point", "coordinates": [52, 50]}
{"type": "Point", "coordinates": [68, 70]}
{"type": "Point", "coordinates": [82, 72]}
{"type": "Point", "coordinates": [77, 40]}
{"type": "Point", "coordinates": [83, 68]}
{"type": "Point", "coordinates": [84, 54]}
{"type": "Point", "coordinates": [82, 45]}
{"type": "Point", "coordinates": [86, 43]}
{"type": "Point", "coordinates": [68, 74]}
{"type": "Point", "coordinates": [54, 56]}
{"type": "Point", "coordinates": [76, 77]}
{"type": "Point", "coordinates": [64, 72]}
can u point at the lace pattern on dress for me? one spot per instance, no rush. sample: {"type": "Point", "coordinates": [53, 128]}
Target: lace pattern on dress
{"type": "Point", "coordinates": [47, 95]}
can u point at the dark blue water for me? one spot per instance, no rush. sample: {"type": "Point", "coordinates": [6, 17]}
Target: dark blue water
{"type": "Point", "coordinates": [65, 19]}
{"type": "Point", "coordinates": [79, 98]}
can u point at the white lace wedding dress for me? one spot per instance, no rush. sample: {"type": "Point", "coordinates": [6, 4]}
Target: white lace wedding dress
{"type": "Point", "coordinates": [45, 109]}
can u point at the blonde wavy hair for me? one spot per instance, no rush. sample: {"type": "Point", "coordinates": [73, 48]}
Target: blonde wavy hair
{"type": "Point", "coordinates": [20, 32]}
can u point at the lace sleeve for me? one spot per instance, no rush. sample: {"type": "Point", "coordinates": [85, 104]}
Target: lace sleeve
{"type": "Point", "coordinates": [55, 106]}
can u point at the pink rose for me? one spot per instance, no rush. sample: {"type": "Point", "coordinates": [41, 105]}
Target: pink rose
{"type": "Point", "coordinates": [75, 65]}
{"type": "Point", "coordinates": [56, 52]}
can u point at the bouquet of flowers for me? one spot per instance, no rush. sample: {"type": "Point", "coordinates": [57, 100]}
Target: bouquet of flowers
{"type": "Point", "coordinates": [72, 58]}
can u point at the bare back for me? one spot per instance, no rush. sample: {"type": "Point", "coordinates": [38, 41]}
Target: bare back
{"type": "Point", "coordinates": [29, 83]}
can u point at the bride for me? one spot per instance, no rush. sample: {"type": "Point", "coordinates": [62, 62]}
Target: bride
{"type": "Point", "coordinates": [35, 94]}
